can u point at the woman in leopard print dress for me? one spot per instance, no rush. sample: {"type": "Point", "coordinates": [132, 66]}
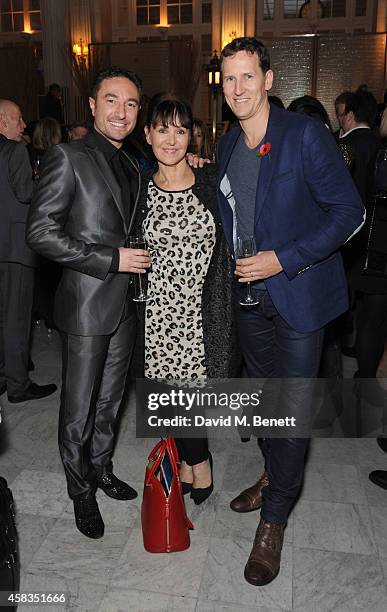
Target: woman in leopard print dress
{"type": "Point", "coordinates": [189, 326]}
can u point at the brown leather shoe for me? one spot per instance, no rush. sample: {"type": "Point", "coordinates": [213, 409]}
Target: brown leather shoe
{"type": "Point", "coordinates": [251, 498]}
{"type": "Point", "coordinates": [263, 564]}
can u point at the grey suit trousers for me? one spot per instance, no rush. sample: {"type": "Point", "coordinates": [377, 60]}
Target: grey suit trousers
{"type": "Point", "coordinates": [94, 375]}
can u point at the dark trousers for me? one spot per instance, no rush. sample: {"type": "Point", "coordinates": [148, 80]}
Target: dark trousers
{"type": "Point", "coordinates": [94, 376]}
{"type": "Point", "coordinates": [371, 319]}
{"type": "Point", "coordinates": [272, 349]}
{"type": "Point", "coordinates": [16, 297]}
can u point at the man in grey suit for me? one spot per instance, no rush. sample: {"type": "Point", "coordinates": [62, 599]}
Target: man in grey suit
{"type": "Point", "coordinates": [81, 217]}
{"type": "Point", "coordinates": [17, 261]}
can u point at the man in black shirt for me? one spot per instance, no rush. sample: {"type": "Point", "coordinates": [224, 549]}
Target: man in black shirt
{"type": "Point", "coordinates": [53, 104]}
{"type": "Point", "coordinates": [81, 217]}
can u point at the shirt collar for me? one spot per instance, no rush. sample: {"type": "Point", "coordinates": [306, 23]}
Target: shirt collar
{"type": "Point", "coordinates": [104, 145]}
{"type": "Point", "coordinates": [358, 127]}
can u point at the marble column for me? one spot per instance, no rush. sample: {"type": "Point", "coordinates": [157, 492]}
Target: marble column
{"type": "Point", "coordinates": [55, 41]}
{"type": "Point", "coordinates": [250, 17]}
{"type": "Point", "coordinates": [81, 28]}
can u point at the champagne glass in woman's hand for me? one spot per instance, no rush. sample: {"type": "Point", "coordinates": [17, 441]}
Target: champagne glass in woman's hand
{"type": "Point", "coordinates": [246, 247]}
{"type": "Point", "coordinates": [138, 242]}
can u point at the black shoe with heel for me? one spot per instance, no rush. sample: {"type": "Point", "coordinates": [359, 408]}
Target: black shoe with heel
{"type": "Point", "coordinates": [200, 495]}
{"type": "Point", "coordinates": [186, 487]}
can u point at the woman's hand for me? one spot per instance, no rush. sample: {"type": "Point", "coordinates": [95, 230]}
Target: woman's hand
{"type": "Point", "coordinates": [195, 161]}
{"type": "Point", "coordinates": [134, 260]}
{"type": "Point", "coordinates": [262, 265]}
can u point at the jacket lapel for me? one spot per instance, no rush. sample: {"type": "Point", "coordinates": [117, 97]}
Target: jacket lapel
{"type": "Point", "coordinates": [107, 175]}
{"type": "Point", "coordinates": [228, 148]}
{"type": "Point", "coordinates": [226, 211]}
{"type": "Point", "coordinates": [269, 162]}
{"type": "Point", "coordinates": [135, 187]}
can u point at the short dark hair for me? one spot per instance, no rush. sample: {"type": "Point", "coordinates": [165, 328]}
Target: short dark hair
{"type": "Point", "coordinates": [309, 105]}
{"type": "Point", "coordinates": [77, 124]}
{"type": "Point", "coordinates": [169, 108]}
{"type": "Point", "coordinates": [362, 104]}
{"type": "Point", "coordinates": [276, 100]}
{"type": "Point", "coordinates": [250, 45]}
{"type": "Point", "coordinates": [54, 87]}
{"type": "Point", "coordinates": [342, 98]}
{"type": "Point", "coordinates": [113, 72]}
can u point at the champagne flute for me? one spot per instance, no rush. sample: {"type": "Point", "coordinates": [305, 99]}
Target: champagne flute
{"type": "Point", "coordinates": [246, 247]}
{"type": "Point", "coordinates": [36, 169]}
{"type": "Point", "coordinates": [138, 242]}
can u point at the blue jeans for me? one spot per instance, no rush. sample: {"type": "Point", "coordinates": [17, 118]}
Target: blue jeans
{"type": "Point", "coordinates": [272, 349]}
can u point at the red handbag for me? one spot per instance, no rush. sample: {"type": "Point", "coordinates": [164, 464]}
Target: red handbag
{"type": "Point", "coordinates": [165, 524]}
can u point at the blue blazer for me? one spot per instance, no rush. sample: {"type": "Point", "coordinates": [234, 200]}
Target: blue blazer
{"type": "Point", "coordinates": [306, 208]}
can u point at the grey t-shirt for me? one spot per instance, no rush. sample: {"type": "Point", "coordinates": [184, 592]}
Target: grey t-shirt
{"type": "Point", "coordinates": [243, 172]}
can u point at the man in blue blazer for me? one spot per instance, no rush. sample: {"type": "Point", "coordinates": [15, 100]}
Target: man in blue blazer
{"type": "Point", "coordinates": [282, 181]}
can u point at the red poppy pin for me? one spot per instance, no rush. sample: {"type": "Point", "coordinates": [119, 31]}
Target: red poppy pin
{"type": "Point", "coordinates": [264, 149]}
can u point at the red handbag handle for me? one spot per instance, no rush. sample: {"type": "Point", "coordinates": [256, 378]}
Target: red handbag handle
{"type": "Point", "coordinates": [155, 451]}
{"type": "Point", "coordinates": [156, 455]}
{"type": "Point", "coordinates": [174, 455]}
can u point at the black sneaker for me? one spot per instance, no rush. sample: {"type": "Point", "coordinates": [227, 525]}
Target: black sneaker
{"type": "Point", "coordinates": [33, 392]}
{"type": "Point", "coordinates": [88, 518]}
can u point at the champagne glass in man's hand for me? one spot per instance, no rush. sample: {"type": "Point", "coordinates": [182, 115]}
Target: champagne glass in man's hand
{"type": "Point", "coordinates": [246, 247]}
{"type": "Point", "coordinates": [138, 242]}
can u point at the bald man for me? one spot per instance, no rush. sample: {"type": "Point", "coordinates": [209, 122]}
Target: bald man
{"type": "Point", "coordinates": [16, 261]}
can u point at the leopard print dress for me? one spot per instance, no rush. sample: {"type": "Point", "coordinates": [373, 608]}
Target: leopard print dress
{"type": "Point", "coordinates": [180, 233]}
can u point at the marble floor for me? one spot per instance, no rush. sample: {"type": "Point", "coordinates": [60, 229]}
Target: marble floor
{"type": "Point", "coordinates": [335, 552]}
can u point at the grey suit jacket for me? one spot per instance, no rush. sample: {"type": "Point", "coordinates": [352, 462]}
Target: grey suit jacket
{"type": "Point", "coordinates": [16, 189]}
{"type": "Point", "coordinates": [77, 218]}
